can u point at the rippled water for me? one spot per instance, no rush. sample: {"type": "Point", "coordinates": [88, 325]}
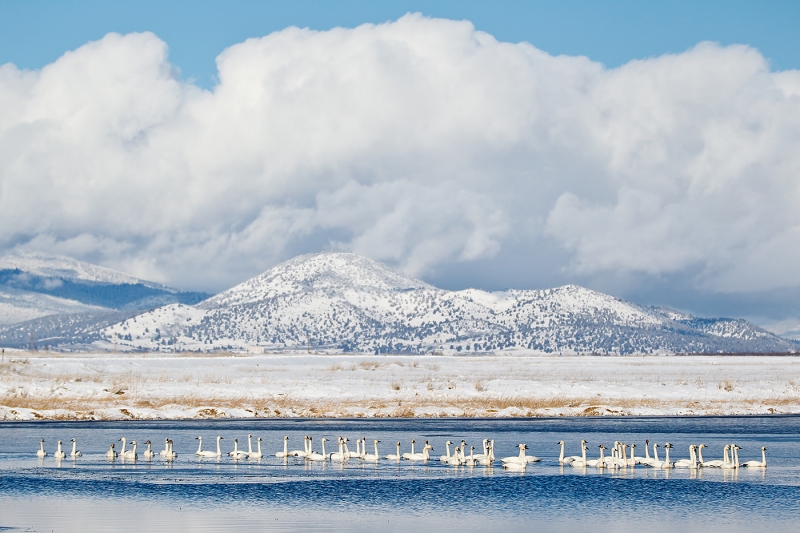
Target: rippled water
{"type": "Point", "coordinates": [92, 494]}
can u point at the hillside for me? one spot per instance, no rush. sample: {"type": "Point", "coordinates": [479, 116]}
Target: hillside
{"type": "Point", "coordinates": [338, 302]}
{"type": "Point", "coordinates": [34, 285]}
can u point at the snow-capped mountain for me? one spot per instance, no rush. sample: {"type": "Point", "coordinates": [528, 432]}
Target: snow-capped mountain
{"type": "Point", "coordinates": [344, 302]}
{"type": "Point", "coordinates": [35, 284]}
{"type": "Point", "coordinates": [341, 302]}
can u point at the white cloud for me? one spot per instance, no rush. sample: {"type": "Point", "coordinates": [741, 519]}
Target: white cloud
{"type": "Point", "coordinates": [419, 142]}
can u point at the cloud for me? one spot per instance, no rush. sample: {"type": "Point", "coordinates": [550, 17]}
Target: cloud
{"type": "Point", "coordinates": [421, 142]}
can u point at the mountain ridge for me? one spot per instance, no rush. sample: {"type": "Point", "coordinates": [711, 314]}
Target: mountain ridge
{"type": "Point", "coordinates": [341, 302]}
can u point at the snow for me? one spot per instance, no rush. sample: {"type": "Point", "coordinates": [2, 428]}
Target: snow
{"type": "Point", "coordinates": [19, 306]}
{"type": "Point", "coordinates": [59, 266]}
{"type": "Point", "coordinates": [44, 385]}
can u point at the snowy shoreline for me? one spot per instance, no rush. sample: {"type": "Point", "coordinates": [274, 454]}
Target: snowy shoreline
{"type": "Point", "coordinates": [105, 386]}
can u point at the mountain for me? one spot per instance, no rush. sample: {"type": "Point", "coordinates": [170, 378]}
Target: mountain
{"type": "Point", "coordinates": [35, 284]}
{"type": "Point", "coordinates": [340, 302]}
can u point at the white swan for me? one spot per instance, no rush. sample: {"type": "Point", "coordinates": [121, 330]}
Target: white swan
{"type": "Point", "coordinates": [735, 455]}
{"type": "Point", "coordinates": [40, 452]}
{"type": "Point", "coordinates": [516, 459]}
{"type": "Point", "coordinates": [489, 459]}
{"type": "Point", "coordinates": [165, 451]}
{"type": "Point", "coordinates": [207, 453]}
{"type": "Point", "coordinates": [298, 453]}
{"type": "Point", "coordinates": [170, 455]}
{"type": "Point", "coordinates": [285, 452]}
{"type": "Point", "coordinates": [148, 453]}
{"type": "Point", "coordinates": [314, 456]}
{"type": "Point", "coordinates": [647, 460]}
{"type": "Point", "coordinates": [59, 452]}
{"type": "Point", "coordinates": [75, 453]}
{"type": "Point", "coordinates": [257, 454]}
{"type": "Point", "coordinates": [667, 462]}
{"type": "Point", "coordinates": [455, 459]}
{"type": "Point", "coordinates": [347, 453]}
{"type": "Point", "coordinates": [423, 455]}
{"type": "Point", "coordinates": [372, 457]}
{"type": "Point", "coordinates": [656, 463]}
{"type": "Point", "coordinates": [249, 444]}
{"type": "Point", "coordinates": [395, 457]}
{"type": "Point", "coordinates": [581, 462]}
{"type": "Point", "coordinates": [715, 463]}
{"type": "Point", "coordinates": [130, 454]}
{"type": "Point", "coordinates": [442, 458]}
{"type": "Point", "coordinates": [111, 454]}
{"type": "Point", "coordinates": [122, 451]}
{"type": "Point", "coordinates": [470, 460]}
{"type": "Point", "coordinates": [567, 460]}
{"type": "Point", "coordinates": [516, 464]}
{"type": "Point", "coordinates": [408, 455]}
{"type": "Point", "coordinates": [339, 455]}
{"type": "Point", "coordinates": [758, 464]}
{"type": "Point", "coordinates": [692, 463]}
{"type": "Point", "coordinates": [237, 453]}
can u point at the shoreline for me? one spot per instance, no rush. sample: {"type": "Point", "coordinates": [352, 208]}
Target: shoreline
{"type": "Point", "coordinates": [157, 386]}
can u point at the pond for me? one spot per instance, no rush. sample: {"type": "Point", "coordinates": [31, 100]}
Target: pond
{"type": "Point", "coordinates": [91, 493]}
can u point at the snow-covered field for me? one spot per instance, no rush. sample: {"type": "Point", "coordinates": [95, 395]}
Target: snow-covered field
{"type": "Point", "coordinates": [113, 386]}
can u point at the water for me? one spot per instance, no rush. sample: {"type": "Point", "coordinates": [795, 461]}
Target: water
{"type": "Point", "coordinates": [92, 494]}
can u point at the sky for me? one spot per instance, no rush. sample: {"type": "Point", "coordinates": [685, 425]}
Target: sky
{"type": "Point", "coordinates": [644, 149]}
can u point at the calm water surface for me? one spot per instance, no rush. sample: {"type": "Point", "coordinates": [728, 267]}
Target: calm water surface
{"type": "Point", "coordinates": [188, 494]}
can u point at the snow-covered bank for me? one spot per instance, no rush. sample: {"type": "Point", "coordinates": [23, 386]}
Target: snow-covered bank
{"type": "Point", "coordinates": [113, 386]}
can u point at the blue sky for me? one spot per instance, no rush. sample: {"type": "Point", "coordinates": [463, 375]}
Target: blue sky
{"type": "Point", "coordinates": [461, 159]}
{"type": "Point", "coordinates": [35, 33]}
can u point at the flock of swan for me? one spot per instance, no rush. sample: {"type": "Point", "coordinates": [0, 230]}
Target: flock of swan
{"type": "Point", "coordinates": [619, 457]}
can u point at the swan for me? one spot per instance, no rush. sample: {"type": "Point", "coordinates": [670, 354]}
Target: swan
{"type": "Point", "coordinates": [471, 461]}
{"type": "Point", "coordinates": [59, 452]}
{"type": "Point", "coordinates": [285, 452]}
{"type": "Point", "coordinates": [165, 451]}
{"type": "Point", "coordinates": [347, 454]}
{"type": "Point", "coordinates": [455, 459]}
{"type": "Point", "coordinates": [130, 454]}
{"type": "Point", "coordinates": [372, 457]}
{"type": "Point", "coordinates": [208, 453]}
{"type": "Point", "coordinates": [75, 453]}
{"type": "Point", "coordinates": [314, 456]}
{"type": "Point", "coordinates": [485, 445]}
{"type": "Point", "coordinates": [395, 457]}
{"type": "Point", "coordinates": [580, 463]}
{"type": "Point", "coordinates": [716, 463]}
{"type": "Point", "coordinates": [236, 453]}
{"type": "Point", "coordinates": [687, 463]}
{"type": "Point", "coordinates": [735, 455]}
{"type": "Point", "coordinates": [408, 455]}
{"type": "Point", "coordinates": [122, 451]}
{"type": "Point", "coordinates": [567, 460]}
{"type": "Point", "coordinates": [148, 453]}
{"type": "Point", "coordinates": [758, 464]}
{"type": "Point", "coordinates": [632, 461]}
{"type": "Point", "coordinates": [518, 459]}
{"type": "Point", "coordinates": [170, 455]}
{"type": "Point", "coordinates": [516, 464]}
{"type": "Point", "coordinates": [298, 453]}
{"type": "Point", "coordinates": [40, 452]}
{"type": "Point", "coordinates": [257, 454]}
{"type": "Point", "coordinates": [340, 455]}
{"type": "Point", "coordinates": [667, 462]}
{"type": "Point", "coordinates": [442, 458]}
{"type": "Point", "coordinates": [489, 459]}
{"type": "Point", "coordinates": [111, 454]}
{"type": "Point", "coordinates": [656, 462]}
{"type": "Point", "coordinates": [601, 462]}
{"type": "Point", "coordinates": [423, 455]}
{"type": "Point", "coordinates": [647, 461]}
{"type": "Point", "coordinates": [249, 444]}
{"type": "Point", "coordinates": [360, 454]}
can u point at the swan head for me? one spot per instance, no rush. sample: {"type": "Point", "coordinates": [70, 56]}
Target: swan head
{"type": "Point", "coordinates": [112, 445]}
{"type": "Point", "coordinates": [219, 438]}
{"type": "Point", "coordinates": [447, 443]}
{"type": "Point", "coordinates": [286, 437]}
{"type": "Point", "coordinates": [259, 439]}
{"type": "Point", "coordinates": [147, 442]}
{"type": "Point", "coordinates": [198, 438]}
{"type": "Point", "coordinates": [413, 441]}
{"type": "Point", "coordinates": [560, 442]}
{"type": "Point", "coordinates": [376, 441]}
{"type": "Point", "coordinates": [763, 448]}
{"type": "Point", "coordinates": [73, 440]}
{"type": "Point", "coordinates": [668, 445]}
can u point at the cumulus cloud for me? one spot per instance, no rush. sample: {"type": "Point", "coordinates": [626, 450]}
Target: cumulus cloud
{"type": "Point", "coordinates": [420, 142]}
